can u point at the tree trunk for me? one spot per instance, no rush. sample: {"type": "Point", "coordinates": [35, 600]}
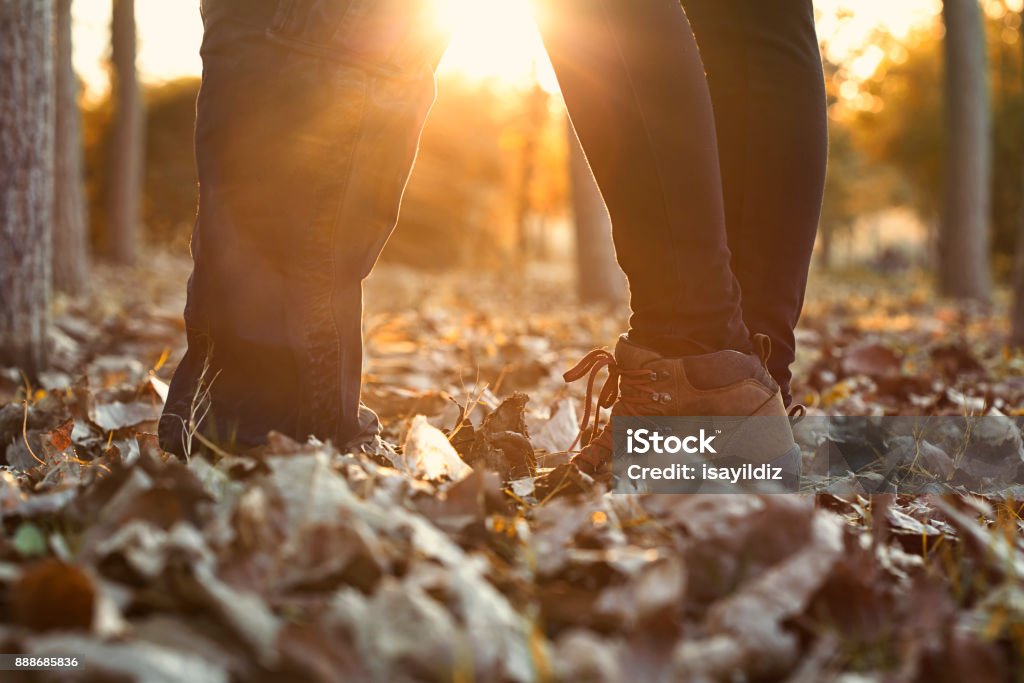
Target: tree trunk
{"type": "Point", "coordinates": [26, 180]}
{"type": "Point", "coordinates": [1017, 311]}
{"type": "Point", "coordinates": [127, 151]}
{"type": "Point", "coordinates": [964, 237]}
{"type": "Point", "coordinates": [70, 228]}
{"type": "Point", "coordinates": [599, 278]}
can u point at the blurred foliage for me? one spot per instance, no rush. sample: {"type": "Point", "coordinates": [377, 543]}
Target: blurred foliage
{"type": "Point", "coordinates": [888, 130]}
{"type": "Point", "coordinates": [96, 120]}
{"type": "Point", "coordinates": [460, 204]}
{"type": "Point", "coordinates": [896, 119]}
{"type": "Point", "coordinates": [170, 188]}
{"type": "Point", "coordinates": [854, 185]}
{"type": "Point", "coordinates": [459, 207]}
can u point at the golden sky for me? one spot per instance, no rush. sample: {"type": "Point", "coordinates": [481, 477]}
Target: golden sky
{"type": "Point", "coordinates": [492, 38]}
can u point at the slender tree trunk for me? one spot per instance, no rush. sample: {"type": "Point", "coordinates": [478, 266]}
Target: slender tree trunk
{"type": "Point", "coordinates": [26, 180]}
{"type": "Point", "coordinates": [1017, 311]}
{"type": "Point", "coordinates": [964, 237]}
{"type": "Point", "coordinates": [70, 228]}
{"type": "Point", "coordinates": [599, 278]}
{"type": "Point", "coordinates": [126, 157]}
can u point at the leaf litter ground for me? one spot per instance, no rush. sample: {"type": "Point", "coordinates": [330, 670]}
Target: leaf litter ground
{"type": "Point", "coordinates": [444, 559]}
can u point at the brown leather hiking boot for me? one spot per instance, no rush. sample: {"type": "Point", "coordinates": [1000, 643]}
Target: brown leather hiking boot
{"type": "Point", "coordinates": [641, 382]}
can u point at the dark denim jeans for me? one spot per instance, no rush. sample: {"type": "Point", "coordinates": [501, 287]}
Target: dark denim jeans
{"type": "Point", "coordinates": [308, 122]}
{"type": "Point", "coordinates": [765, 75]}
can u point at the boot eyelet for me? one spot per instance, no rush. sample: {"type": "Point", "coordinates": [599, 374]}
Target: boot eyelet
{"type": "Point", "coordinates": [653, 376]}
{"type": "Point", "coordinates": [663, 374]}
{"type": "Point", "coordinates": [656, 398]}
{"type": "Point", "coordinates": [666, 397]}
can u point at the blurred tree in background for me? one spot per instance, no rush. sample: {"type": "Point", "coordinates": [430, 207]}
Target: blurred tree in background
{"type": "Point", "coordinates": [125, 160]}
{"type": "Point", "coordinates": [892, 123]}
{"type": "Point", "coordinates": [963, 240]}
{"type": "Point", "coordinates": [169, 192]}
{"type": "Point", "coordinates": [1015, 138]}
{"type": "Point", "coordinates": [170, 186]}
{"type": "Point", "coordinates": [70, 228]}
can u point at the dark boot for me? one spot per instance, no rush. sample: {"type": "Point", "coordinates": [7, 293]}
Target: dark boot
{"type": "Point", "coordinates": [642, 382]}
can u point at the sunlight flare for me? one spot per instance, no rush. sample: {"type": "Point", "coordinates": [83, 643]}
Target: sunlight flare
{"type": "Point", "coordinates": [494, 39]}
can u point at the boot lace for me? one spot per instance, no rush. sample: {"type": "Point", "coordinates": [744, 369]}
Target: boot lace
{"type": "Point", "coordinates": [632, 402]}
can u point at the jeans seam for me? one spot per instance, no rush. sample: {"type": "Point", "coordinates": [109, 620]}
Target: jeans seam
{"type": "Point", "coordinates": [322, 415]}
{"type": "Point", "coordinates": [747, 113]}
{"type": "Point", "coordinates": [340, 348]}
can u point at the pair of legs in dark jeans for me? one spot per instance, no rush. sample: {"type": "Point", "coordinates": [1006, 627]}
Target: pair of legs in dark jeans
{"type": "Point", "coordinates": [308, 122]}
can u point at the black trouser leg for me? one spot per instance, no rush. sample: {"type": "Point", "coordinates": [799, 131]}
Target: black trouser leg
{"type": "Point", "coordinates": [308, 121]}
{"type": "Point", "coordinates": [765, 74]}
{"type": "Point", "coordinates": [637, 95]}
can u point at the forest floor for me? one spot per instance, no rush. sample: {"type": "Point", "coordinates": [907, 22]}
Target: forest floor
{"type": "Point", "coordinates": [304, 563]}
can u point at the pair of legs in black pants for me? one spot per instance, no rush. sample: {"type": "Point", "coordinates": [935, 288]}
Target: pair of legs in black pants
{"type": "Point", "coordinates": [308, 121]}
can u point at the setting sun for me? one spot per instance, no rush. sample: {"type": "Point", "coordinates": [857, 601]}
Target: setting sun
{"type": "Point", "coordinates": [494, 39]}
